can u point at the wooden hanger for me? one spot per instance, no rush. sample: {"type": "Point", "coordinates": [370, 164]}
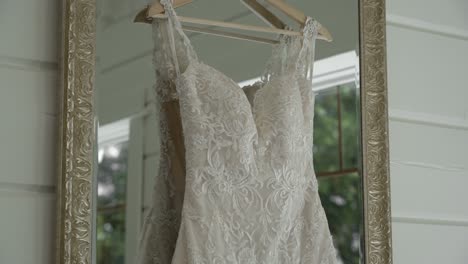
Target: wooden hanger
{"type": "Point", "coordinates": [290, 11]}
{"type": "Point", "coordinates": [156, 10]}
{"type": "Point", "coordinates": [264, 14]}
{"type": "Point", "coordinates": [232, 35]}
{"type": "Point", "coordinates": [298, 16]}
{"type": "Point", "coordinates": [271, 19]}
{"type": "Point", "coordinates": [143, 17]}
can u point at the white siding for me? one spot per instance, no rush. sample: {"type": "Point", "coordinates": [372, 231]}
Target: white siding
{"type": "Point", "coordinates": [27, 227]}
{"type": "Point", "coordinates": [28, 112]}
{"type": "Point", "coordinates": [423, 243]}
{"type": "Point", "coordinates": [427, 68]}
{"type": "Point", "coordinates": [29, 29]}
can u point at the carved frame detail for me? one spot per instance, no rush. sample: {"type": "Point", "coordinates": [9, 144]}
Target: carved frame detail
{"type": "Point", "coordinates": [77, 130]}
{"type": "Point", "coordinates": [77, 133]}
{"type": "Point", "coordinates": [375, 145]}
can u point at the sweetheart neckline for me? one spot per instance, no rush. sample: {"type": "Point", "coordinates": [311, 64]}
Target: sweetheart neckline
{"type": "Point", "coordinates": [193, 61]}
{"type": "Point", "coordinates": [262, 84]}
{"type": "Point", "coordinates": [252, 106]}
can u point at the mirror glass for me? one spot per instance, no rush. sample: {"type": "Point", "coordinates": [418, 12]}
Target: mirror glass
{"type": "Point", "coordinates": [128, 135]}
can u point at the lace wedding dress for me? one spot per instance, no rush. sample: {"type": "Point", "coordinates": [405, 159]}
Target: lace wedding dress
{"type": "Point", "coordinates": [237, 186]}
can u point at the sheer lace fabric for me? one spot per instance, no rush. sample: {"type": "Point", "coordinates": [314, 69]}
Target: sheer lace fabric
{"type": "Point", "coordinates": [238, 186]}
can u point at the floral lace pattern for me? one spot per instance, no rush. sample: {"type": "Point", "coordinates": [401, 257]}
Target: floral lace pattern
{"type": "Point", "coordinates": [250, 192]}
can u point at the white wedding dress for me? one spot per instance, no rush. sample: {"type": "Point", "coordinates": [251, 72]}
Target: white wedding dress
{"type": "Point", "coordinates": [246, 191]}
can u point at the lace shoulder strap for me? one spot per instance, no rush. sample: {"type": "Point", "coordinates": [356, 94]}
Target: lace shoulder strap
{"type": "Point", "coordinates": [172, 52]}
{"type": "Point", "coordinates": [174, 23]}
{"type": "Point", "coordinates": [306, 56]}
{"type": "Point", "coordinates": [293, 53]}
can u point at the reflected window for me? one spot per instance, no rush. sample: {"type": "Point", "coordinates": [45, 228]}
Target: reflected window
{"type": "Point", "coordinates": [336, 162]}
{"type": "Point", "coordinates": [111, 205]}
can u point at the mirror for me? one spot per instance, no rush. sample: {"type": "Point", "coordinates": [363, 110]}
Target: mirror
{"type": "Point", "coordinates": [126, 157]}
{"type": "Point", "coordinates": [128, 136]}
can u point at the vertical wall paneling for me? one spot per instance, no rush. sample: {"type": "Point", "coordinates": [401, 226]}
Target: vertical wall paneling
{"type": "Point", "coordinates": [427, 44]}
{"type": "Point", "coordinates": [29, 49]}
{"type": "Point", "coordinates": [26, 227]}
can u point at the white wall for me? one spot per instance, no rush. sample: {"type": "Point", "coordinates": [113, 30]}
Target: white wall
{"type": "Point", "coordinates": [427, 44]}
{"type": "Point", "coordinates": [28, 114]}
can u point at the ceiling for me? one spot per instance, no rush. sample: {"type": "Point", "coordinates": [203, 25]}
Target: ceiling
{"type": "Point", "coordinates": [125, 71]}
{"type": "Point", "coordinates": [120, 41]}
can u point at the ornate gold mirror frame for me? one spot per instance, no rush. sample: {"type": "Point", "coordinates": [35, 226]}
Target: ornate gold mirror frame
{"type": "Point", "coordinates": [77, 126]}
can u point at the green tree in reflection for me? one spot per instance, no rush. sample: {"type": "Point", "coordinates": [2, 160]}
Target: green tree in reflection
{"type": "Point", "coordinates": [340, 195]}
{"type": "Point", "coordinates": [112, 182]}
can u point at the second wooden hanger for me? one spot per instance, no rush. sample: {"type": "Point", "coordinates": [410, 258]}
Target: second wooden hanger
{"type": "Point", "coordinates": [156, 10]}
